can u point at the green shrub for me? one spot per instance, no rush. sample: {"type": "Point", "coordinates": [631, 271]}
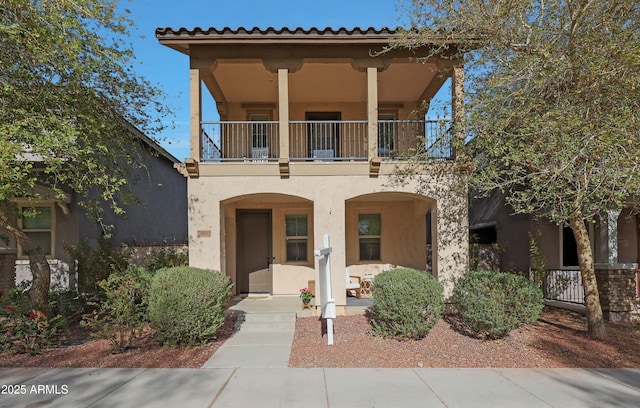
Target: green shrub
{"type": "Point", "coordinates": [122, 315]}
{"type": "Point", "coordinates": [406, 303]}
{"type": "Point", "coordinates": [95, 264]}
{"type": "Point", "coordinates": [186, 305]}
{"type": "Point", "coordinates": [166, 258]}
{"type": "Point", "coordinates": [492, 304]}
{"type": "Point", "coordinates": [65, 308]}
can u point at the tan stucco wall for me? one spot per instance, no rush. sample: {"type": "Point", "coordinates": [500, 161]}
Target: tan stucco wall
{"type": "Point", "coordinates": [279, 205]}
{"type": "Point", "coordinates": [210, 237]}
{"type": "Point", "coordinates": [403, 238]}
{"type": "Point", "coordinates": [348, 110]}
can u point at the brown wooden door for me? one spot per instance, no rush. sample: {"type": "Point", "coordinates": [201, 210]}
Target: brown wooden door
{"type": "Point", "coordinates": [253, 229]}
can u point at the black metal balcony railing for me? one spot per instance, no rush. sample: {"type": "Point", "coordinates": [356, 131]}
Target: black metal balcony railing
{"type": "Point", "coordinates": [240, 141]}
{"type": "Point", "coordinates": [563, 285]}
{"type": "Point", "coordinates": [326, 140]}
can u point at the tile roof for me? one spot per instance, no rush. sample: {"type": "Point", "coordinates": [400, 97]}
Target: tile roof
{"type": "Point", "coordinates": [257, 31]}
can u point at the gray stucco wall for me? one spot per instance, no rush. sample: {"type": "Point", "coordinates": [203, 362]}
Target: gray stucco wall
{"type": "Point", "coordinates": [161, 215]}
{"type": "Point", "coordinates": [513, 232]}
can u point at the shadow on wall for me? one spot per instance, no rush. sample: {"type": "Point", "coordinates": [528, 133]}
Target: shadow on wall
{"type": "Point", "coordinates": [485, 257]}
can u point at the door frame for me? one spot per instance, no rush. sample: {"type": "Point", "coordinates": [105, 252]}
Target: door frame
{"type": "Point", "coordinates": [324, 116]}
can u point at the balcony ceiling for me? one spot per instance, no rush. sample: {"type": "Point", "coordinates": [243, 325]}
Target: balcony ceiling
{"type": "Point", "coordinates": [232, 64]}
{"type": "Point", "coordinates": [329, 81]}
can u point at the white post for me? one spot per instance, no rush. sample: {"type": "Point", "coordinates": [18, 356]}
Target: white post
{"type": "Point", "coordinates": [328, 303]}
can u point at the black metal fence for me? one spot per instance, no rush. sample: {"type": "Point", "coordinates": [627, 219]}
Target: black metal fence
{"type": "Point", "coordinates": [563, 285]}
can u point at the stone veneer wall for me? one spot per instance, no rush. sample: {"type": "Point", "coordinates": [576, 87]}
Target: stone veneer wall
{"type": "Point", "coordinates": [617, 287]}
{"type": "Point", "coordinates": [140, 253]}
{"type": "Point", "coordinates": [7, 269]}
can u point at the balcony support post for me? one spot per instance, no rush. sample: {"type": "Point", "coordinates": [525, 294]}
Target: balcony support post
{"type": "Point", "coordinates": [457, 107]}
{"type": "Point", "coordinates": [195, 110]}
{"type": "Point", "coordinates": [372, 112]}
{"type": "Point", "coordinates": [283, 112]}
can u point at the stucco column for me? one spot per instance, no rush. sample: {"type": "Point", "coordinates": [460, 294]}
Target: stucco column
{"type": "Point", "coordinates": [195, 110]}
{"type": "Point", "coordinates": [372, 111]}
{"type": "Point", "coordinates": [283, 112]}
{"type": "Point", "coordinates": [205, 225]}
{"type": "Point", "coordinates": [452, 236]}
{"type": "Point", "coordinates": [457, 106]}
{"type": "Point", "coordinates": [608, 250]}
{"type": "Point", "coordinates": [329, 216]}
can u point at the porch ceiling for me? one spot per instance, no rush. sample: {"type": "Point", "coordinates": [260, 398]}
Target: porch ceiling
{"type": "Point", "coordinates": [318, 82]}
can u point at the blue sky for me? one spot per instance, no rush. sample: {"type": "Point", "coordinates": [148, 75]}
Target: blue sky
{"type": "Point", "coordinates": [168, 69]}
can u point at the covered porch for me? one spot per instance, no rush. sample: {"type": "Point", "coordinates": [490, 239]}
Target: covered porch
{"type": "Point", "coordinates": [317, 95]}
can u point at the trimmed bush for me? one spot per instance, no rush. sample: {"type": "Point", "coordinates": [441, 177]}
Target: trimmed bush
{"type": "Point", "coordinates": [186, 305]}
{"type": "Point", "coordinates": [406, 303]}
{"type": "Point", "coordinates": [166, 258]}
{"type": "Point", "coordinates": [492, 304]}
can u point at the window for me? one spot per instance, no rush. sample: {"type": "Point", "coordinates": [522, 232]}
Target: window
{"type": "Point", "coordinates": [485, 235]}
{"type": "Point", "coordinates": [259, 131]}
{"type": "Point", "coordinates": [296, 237]}
{"type": "Point", "coordinates": [369, 232]}
{"type": "Point", "coordinates": [37, 223]}
{"type": "Point", "coordinates": [385, 134]}
{"type": "Point", "coordinates": [569, 248]}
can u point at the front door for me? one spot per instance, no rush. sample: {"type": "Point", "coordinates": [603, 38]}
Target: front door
{"type": "Point", "coordinates": [323, 135]}
{"type": "Point", "coordinates": [253, 229]}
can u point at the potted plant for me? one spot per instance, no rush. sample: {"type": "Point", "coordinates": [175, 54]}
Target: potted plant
{"type": "Point", "coordinates": [306, 295]}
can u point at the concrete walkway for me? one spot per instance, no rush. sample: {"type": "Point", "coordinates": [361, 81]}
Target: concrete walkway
{"type": "Point", "coordinates": [264, 333]}
{"type": "Point", "coordinates": [318, 387]}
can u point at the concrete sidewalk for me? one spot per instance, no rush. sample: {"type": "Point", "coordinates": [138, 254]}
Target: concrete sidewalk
{"type": "Point", "coordinates": [318, 387]}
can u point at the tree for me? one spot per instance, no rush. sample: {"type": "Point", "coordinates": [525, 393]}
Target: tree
{"type": "Point", "coordinates": [68, 100]}
{"type": "Point", "coordinates": [552, 107]}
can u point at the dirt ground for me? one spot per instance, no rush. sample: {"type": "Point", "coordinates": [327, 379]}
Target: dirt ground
{"type": "Point", "coordinates": [79, 349]}
{"type": "Point", "coordinates": [558, 339]}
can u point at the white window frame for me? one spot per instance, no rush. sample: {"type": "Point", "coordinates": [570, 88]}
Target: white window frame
{"type": "Point", "coordinates": [260, 133]}
{"type": "Point", "coordinates": [297, 237]}
{"type": "Point", "coordinates": [386, 116]}
{"type": "Point", "coordinates": [51, 229]}
{"type": "Point", "coordinates": [359, 236]}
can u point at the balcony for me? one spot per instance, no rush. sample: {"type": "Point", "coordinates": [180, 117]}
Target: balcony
{"type": "Point", "coordinates": [325, 141]}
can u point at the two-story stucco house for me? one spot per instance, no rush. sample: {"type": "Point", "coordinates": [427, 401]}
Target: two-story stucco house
{"type": "Point", "coordinates": [313, 125]}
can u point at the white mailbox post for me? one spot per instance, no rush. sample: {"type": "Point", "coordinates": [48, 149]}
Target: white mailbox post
{"type": "Point", "coordinates": [328, 303]}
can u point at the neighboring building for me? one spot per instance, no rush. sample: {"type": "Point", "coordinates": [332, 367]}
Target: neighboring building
{"type": "Point", "coordinates": [158, 218]}
{"type": "Point", "coordinates": [491, 220]}
{"type": "Point", "coordinates": [615, 241]}
{"type": "Point", "coordinates": [313, 126]}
